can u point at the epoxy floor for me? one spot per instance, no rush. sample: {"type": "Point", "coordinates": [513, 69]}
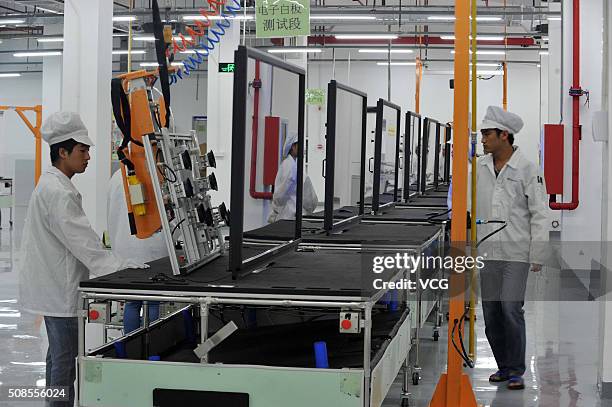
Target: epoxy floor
{"type": "Point", "coordinates": [562, 344]}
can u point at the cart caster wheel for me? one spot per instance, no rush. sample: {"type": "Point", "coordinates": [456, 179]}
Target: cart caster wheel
{"type": "Point", "coordinates": [436, 336]}
{"type": "Point", "coordinates": [415, 378]}
{"type": "Point", "coordinates": [405, 403]}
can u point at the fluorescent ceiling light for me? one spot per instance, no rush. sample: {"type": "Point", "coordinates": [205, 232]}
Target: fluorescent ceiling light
{"type": "Point", "coordinates": [366, 36]}
{"type": "Point", "coordinates": [554, 18]}
{"type": "Point", "coordinates": [385, 51]}
{"type": "Point", "coordinates": [486, 52]}
{"type": "Point", "coordinates": [50, 39]}
{"type": "Point", "coordinates": [124, 18]}
{"type": "Point", "coordinates": [452, 18]}
{"type": "Point", "coordinates": [478, 37]}
{"type": "Point", "coordinates": [37, 54]}
{"type": "Point", "coordinates": [341, 17]}
{"type": "Point", "coordinates": [396, 63]}
{"type": "Point", "coordinates": [484, 64]}
{"type": "Point", "coordinates": [481, 73]}
{"type": "Point", "coordinates": [133, 52]}
{"type": "Point", "coordinates": [49, 10]}
{"type": "Point", "coordinates": [201, 17]}
{"type": "Point", "coordinates": [9, 75]}
{"type": "Point", "coordinates": [155, 64]}
{"type": "Point", "coordinates": [543, 52]}
{"type": "Point", "coordinates": [11, 21]}
{"type": "Point", "coordinates": [292, 50]}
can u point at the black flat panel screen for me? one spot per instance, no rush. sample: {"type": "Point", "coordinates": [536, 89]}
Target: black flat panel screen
{"type": "Point", "coordinates": [194, 398]}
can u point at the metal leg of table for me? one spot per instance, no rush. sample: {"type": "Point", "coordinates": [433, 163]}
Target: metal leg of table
{"type": "Point", "coordinates": [367, 351]}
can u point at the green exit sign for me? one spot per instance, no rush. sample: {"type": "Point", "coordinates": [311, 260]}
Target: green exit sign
{"type": "Point", "coordinates": [226, 67]}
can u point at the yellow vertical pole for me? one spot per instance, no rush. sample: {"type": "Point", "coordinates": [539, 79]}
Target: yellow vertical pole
{"type": "Point", "coordinates": [473, 235]}
{"type": "Point", "coordinates": [419, 78]}
{"type": "Point", "coordinates": [505, 94]}
{"type": "Point", "coordinates": [454, 388]}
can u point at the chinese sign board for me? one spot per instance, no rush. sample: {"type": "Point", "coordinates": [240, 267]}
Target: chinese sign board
{"type": "Point", "coordinates": [315, 97]}
{"type": "Point", "coordinates": [282, 18]}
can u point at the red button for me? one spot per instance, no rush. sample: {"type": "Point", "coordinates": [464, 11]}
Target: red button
{"type": "Point", "coordinates": [346, 324]}
{"type": "Point", "coordinates": [93, 314]}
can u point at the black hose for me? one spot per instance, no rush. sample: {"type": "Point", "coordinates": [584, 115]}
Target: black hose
{"type": "Point", "coordinates": [492, 233]}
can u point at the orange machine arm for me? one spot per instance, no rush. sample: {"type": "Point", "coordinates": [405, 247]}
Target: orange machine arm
{"type": "Point", "coordinates": [35, 129]}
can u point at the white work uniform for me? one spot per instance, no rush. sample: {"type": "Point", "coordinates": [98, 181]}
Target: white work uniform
{"type": "Point", "coordinates": [123, 243]}
{"type": "Point", "coordinates": [285, 190]}
{"type": "Point", "coordinates": [59, 248]}
{"type": "Point", "coordinates": [518, 196]}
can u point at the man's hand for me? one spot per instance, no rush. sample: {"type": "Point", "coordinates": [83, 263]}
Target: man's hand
{"type": "Point", "coordinates": [536, 267]}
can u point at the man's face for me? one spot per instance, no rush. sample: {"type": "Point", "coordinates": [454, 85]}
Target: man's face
{"type": "Point", "coordinates": [492, 141]}
{"type": "Point", "coordinates": [294, 150]}
{"type": "Point", "coordinates": [77, 160]}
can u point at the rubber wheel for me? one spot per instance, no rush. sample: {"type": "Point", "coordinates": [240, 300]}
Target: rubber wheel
{"type": "Point", "coordinates": [436, 336]}
{"type": "Point", "coordinates": [415, 378]}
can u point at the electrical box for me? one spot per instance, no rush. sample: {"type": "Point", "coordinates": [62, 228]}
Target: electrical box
{"type": "Point", "coordinates": [553, 158]}
{"type": "Point", "coordinates": [275, 134]}
{"type": "Point", "coordinates": [99, 313]}
{"type": "Point", "coordinates": [350, 322]}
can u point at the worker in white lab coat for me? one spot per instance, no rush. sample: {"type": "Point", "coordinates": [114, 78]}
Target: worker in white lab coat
{"type": "Point", "coordinates": [510, 189]}
{"type": "Point", "coordinates": [125, 245]}
{"type": "Point", "coordinates": [285, 185]}
{"type": "Point", "coordinates": [60, 249]}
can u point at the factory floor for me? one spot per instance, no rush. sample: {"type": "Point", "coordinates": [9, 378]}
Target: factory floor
{"type": "Point", "coordinates": [562, 351]}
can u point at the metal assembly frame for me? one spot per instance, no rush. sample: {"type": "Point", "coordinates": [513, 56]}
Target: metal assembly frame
{"type": "Point", "coordinates": [237, 265]}
{"type": "Point", "coordinates": [330, 155]}
{"type": "Point", "coordinates": [380, 105]}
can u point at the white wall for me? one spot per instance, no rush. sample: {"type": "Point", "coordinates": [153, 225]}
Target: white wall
{"type": "Point", "coordinates": [436, 98]}
{"type": "Point", "coordinates": [188, 99]}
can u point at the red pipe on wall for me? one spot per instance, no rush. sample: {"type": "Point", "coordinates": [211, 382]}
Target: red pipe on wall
{"type": "Point", "coordinates": [576, 92]}
{"type": "Point", "coordinates": [253, 181]}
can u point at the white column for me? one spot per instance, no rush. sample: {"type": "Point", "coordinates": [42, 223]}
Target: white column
{"type": "Point", "coordinates": [219, 111]}
{"type": "Point", "coordinates": [605, 303]}
{"type": "Point", "coordinates": [583, 225]}
{"type": "Point", "coordinates": [51, 85]}
{"type": "Point", "coordinates": [87, 71]}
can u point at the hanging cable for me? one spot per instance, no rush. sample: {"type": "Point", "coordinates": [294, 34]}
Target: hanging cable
{"type": "Point", "coordinates": [198, 36]}
{"type": "Point", "coordinates": [479, 222]}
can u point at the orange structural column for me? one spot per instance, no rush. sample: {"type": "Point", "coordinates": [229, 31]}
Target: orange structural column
{"type": "Point", "coordinates": [454, 388]}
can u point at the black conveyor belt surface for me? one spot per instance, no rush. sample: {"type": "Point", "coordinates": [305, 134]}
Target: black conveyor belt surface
{"type": "Point", "coordinates": [406, 214]}
{"type": "Point", "coordinates": [316, 273]}
{"type": "Point", "coordinates": [361, 233]}
{"type": "Point", "coordinates": [425, 201]}
{"type": "Point", "coordinates": [436, 194]}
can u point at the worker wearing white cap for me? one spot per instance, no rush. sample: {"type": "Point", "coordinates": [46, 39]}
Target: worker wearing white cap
{"type": "Point", "coordinates": [511, 192]}
{"type": "Point", "coordinates": [285, 185]}
{"type": "Point", "coordinates": [60, 249]}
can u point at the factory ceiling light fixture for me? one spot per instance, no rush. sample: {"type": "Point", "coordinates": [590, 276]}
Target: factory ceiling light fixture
{"type": "Point", "coordinates": [341, 17]}
{"type": "Point", "coordinates": [201, 17]}
{"type": "Point", "coordinates": [11, 21]}
{"type": "Point", "coordinates": [9, 75]}
{"type": "Point", "coordinates": [124, 18]}
{"type": "Point", "coordinates": [478, 37]}
{"type": "Point", "coordinates": [37, 54]}
{"type": "Point", "coordinates": [396, 63]}
{"type": "Point", "coordinates": [366, 36]}
{"type": "Point", "coordinates": [486, 52]}
{"type": "Point", "coordinates": [294, 50]}
{"type": "Point", "coordinates": [385, 51]}
{"type": "Point", "coordinates": [452, 18]}
{"type": "Point", "coordinates": [133, 52]}
{"type": "Point", "coordinates": [50, 39]}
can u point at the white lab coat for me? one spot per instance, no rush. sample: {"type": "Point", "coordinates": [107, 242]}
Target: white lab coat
{"type": "Point", "coordinates": [123, 243]}
{"type": "Point", "coordinates": [59, 249]}
{"type": "Point", "coordinates": [285, 191]}
{"type": "Point", "coordinates": [517, 196]}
